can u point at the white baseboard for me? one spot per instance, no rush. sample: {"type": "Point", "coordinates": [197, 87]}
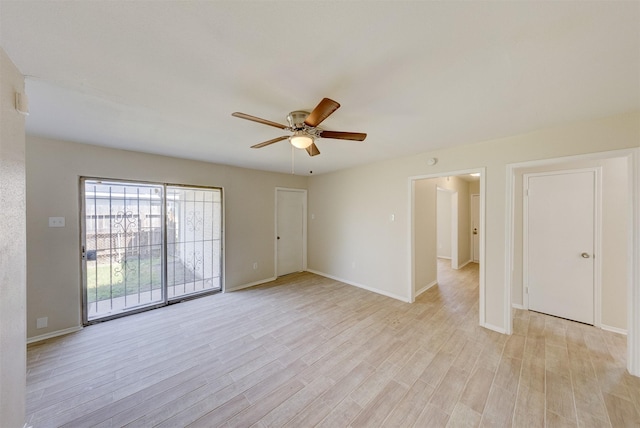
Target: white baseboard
{"type": "Point", "coordinates": [613, 329]}
{"type": "Point", "coordinates": [355, 284]}
{"type": "Point", "coordinates": [460, 266]}
{"type": "Point", "coordinates": [494, 328]}
{"type": "Point", "coordinates": [426, 287]}
{"type": "Point", "coordinates": [444, 257]}
{"type": "Point", "coordinates": [602, 326]}
{"type": "Point", "coordinates": [53, 334]}
{"type": "Point", "coordinates": [251, 284]}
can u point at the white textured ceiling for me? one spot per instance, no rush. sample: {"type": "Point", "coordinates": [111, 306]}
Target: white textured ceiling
{"type": "Point", "coordinates": [164, 76]}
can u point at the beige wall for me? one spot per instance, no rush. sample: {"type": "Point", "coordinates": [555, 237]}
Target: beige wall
{"type": "Point", "coordinates": [53, 256]}
{"type": "Point", "coordinates": [614, 235]}
{"type": "Point", "coordinates": [443, 223]}
{"type": "Point", "coordinates": [425, 225]}
{"type": "Point", "coordinates": [474, 187]}
{"type": "Point", "coordinates": [351, 235]}
{"type": "Point", "coordinates": [352, 207]}
{"type": "Point", "coordinates": [12, 249]}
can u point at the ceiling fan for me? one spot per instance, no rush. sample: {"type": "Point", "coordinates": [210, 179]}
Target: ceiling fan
{"type": "Point", "coordinates": [304, 126]}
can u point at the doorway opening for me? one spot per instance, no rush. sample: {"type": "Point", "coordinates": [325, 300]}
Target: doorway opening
{"type": "Point", "coordinates": [442, 230]}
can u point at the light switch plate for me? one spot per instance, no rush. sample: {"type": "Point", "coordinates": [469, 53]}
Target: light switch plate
{"type": "Point", "coordinates": [56, 221]}
{"type": "Point", "coordinates": [42, 322]}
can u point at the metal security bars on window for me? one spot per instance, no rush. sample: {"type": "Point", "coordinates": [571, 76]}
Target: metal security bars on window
{"type": "Point", "coordinates": [128, 263]}
{"type": "Point", "coordinates": [194, 247]}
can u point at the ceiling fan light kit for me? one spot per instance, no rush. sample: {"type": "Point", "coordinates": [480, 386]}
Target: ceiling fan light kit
{"type": "Point", "coordinates": [300, 140]}
{"type": "Point", "coordinates": [304, 126]}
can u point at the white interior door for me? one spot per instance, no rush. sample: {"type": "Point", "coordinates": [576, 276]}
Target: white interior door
{"type": "Point", "coordinates": [291, 212]}
{"type": "Point", "coordinates": [475, 228]}
{"type": "Point", "coordinates": [560, 232]}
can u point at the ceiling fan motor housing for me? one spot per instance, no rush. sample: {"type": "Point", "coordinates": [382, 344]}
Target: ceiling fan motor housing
{"type": "Point", "coordinates": [296, 119]}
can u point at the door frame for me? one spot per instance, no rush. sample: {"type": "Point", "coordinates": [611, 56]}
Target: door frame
{"type": "Point", "coordinates": [304, 227]}
{"type": "Point", "coordinates": [633, 247]}
{"type": "Point", "coordinates": [597, 237]}
{"type": "Point", "coordinates": [412, 222]}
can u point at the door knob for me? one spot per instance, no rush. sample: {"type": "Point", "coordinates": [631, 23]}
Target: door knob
{"type": "Point", "coordinates": [278, 237]}
{"type": "Point", "coordinates": [475, 231]}
{"type": "Point", "coordinates": [585, 255]}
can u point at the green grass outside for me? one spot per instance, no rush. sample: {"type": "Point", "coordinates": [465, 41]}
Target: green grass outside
{"type": "Point", "coordinates": [111, 281]}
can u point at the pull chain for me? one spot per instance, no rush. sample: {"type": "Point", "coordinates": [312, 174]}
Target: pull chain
{"type": "Point", "coordinates": [292, 159]}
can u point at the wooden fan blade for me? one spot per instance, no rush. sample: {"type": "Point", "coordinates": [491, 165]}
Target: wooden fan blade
{"type": "Point", "coordinates": [354, 136]}
{"type": "Point", "coordinates": [257, 119]}
{"type": "Point", "coordinates": [313, 150]}
{"type": "Point", "coordinates": [322, 111]}
{"type": "Point", "coordinates": [266, 143]}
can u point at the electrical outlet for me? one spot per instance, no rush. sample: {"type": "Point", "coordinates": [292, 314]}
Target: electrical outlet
{"type": "Point", "coordinates": [42, 322]}
{"type": "Point", "coordinates": [255, 265]}
{"type": "Point", "coordinates": [56, 221]}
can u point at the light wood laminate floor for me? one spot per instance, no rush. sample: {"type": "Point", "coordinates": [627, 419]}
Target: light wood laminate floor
{"type": "Point", "coordinates": [309, 351]}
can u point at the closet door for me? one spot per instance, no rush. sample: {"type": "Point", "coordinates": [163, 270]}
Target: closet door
{"type": "Point", "coordinates": [560, 232]}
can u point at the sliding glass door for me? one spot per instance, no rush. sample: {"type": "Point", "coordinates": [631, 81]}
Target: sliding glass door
{"type": "Point", "coordinates": [194, 240]}
{"type": "Point", "coordinates": [146, 244]}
